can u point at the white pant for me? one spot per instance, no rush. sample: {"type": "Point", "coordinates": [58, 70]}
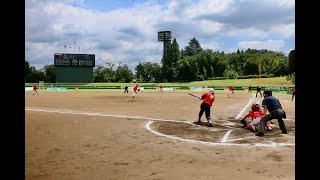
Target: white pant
{"type": "Point", "coordinates": [133, 93]}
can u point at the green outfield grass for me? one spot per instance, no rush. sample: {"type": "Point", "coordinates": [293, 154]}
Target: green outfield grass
{"type": "Point", "coordinates": [154, 91]}
{"type": "Point", "coordinates": [275, 81]}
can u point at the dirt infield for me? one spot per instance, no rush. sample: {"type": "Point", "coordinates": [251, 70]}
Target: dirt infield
{"type": "Point", "coordinates": [100, 135]}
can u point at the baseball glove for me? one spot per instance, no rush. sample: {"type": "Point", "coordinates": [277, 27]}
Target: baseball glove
{"type": "Point", "coordinates": [243, 121]}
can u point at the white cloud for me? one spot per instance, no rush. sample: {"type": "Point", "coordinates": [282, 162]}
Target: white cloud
{"type": "Point", "coordinates": [130, 34]}
{"type": "Point", "coordinates": [274, 45]}
{"type": "Point", "coordinates": [285, 30]}
{"type": "Point", "coordinates": [213, 46]}
{"type": "Point", "coordinates": [249, 32]}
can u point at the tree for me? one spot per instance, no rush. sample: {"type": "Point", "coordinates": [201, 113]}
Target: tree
{"type": "Point", "coordinates": [27, 70]}
{"type": "Point", "coordinates": [50, 71]}
{"type": "Point", "coordinates": [148, 72]}
{"type": "Point", "coordinates": [173, 56]}
{"type": "Point", "coordinates": [291, 65]}
{"type": "Point", "coordinates": [192, 48]}
{"type": "Point", "coordinates": [98, 74]}
{"type": "Point", "coordinates": [37, 76]}
{"type": "Point", "coordinates": [123, 74]}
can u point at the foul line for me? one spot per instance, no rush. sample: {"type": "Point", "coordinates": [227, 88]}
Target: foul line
{"type": "Point", "coordinates": [245, 107]}
{"type": "Point", "coordinates": [101, 114]}
{"type": "Point", "coordinates": [147, 126]}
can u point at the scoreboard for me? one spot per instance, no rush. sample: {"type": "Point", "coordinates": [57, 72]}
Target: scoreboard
{"type": "Point", "coordinates": [74, 60]}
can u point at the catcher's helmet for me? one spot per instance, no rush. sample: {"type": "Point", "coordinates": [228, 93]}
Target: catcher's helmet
{"type": "Point", "coordinates": [255, 107]}
{"type": "Point", "coordinates": [267, 92]}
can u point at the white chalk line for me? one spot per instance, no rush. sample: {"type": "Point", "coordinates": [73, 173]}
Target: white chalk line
{"type": "Point", "coordinates": [238, 116]}
{"type": "Point", "coordinates": [239, 139]}
{"type": "Point", "coordinates": [225, 137]}
{"type": "Point", "coordinates": [101, 114]}
{"type": "Point", "coordinates": [147, 126]}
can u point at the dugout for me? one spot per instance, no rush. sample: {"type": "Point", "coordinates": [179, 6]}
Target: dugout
{"type": "Point", "coordinates": [74, 68]}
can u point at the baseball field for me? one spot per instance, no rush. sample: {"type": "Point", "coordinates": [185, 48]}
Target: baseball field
{"type": "Point", "coordinates": [78, 135]}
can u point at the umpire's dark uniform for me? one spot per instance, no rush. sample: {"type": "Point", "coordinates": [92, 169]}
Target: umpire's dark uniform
{"type": "Point", "coordinates": [275, 112]}
{"type": "Point", "coordinates": [126, 89]}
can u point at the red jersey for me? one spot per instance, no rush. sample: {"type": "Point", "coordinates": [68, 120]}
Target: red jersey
{"type": "Point", "coordinates": [35, 87]}
{"type": "Point", "coordinates": [254, 114]}
{"type": "Point", "coordinates": [160, 86]}
{"type": "Point", "coordinates": [293, 89]}
{"type": "Point", "coordinates": [208, 98]}
{"type": "Point", "coordinates": [231, 88]}
{"type": "Point", "coordinates": [135, 88]}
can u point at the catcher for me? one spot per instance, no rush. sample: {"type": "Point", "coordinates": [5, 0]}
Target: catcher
{"type": "Point", "coordinates": [255, 115]}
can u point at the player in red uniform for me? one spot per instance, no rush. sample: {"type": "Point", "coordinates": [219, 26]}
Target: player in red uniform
{"type": "Point", "coordinates": [160, 87]}
{"type": "Point", "coordinates": [208, 98]}
{"type": "Point", "coordinates": [231, 90]}
{"type": "Point", "coordinates": [134, 91]}
{"type": "Point", "coordinates": [255, 115]}
{"type": "Point", "coordinates": [35, 89]}
{"type": "Point", "coordinates": [293, 91]}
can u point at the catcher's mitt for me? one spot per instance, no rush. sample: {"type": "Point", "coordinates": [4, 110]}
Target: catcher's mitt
{"type": "Point", "coordinates": [243, 121]}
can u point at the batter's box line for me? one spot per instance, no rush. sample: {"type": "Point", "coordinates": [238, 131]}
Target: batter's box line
{"type": "Point", "coordinates": [222, 143]}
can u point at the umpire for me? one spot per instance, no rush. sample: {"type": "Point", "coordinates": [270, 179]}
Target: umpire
{"type": "Point", "coordinates": [271, 104]}
{"type": "Point", "coordinates": [258, 91]}
{"type": "Point", "coordinates": [126, 89]}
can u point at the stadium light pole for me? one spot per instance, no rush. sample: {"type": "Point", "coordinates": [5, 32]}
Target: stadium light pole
{"type": "Point", "coordinates": [164, 36]}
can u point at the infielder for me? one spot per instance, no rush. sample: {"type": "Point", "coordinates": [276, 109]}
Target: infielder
{"type": "Point", "coordinates": [134, 91]}
{"type": "Point", "coordinates": [35, 89]}
{"type": "Point", "coordinates": [231, 90]}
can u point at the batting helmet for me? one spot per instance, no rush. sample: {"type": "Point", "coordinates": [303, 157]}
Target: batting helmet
{"type": "Point", "coordinates": [267, 92]}
{"type": "Point", "coordinates": [255, 107]}
{"type": "Point", "coordinates": [211, 91]}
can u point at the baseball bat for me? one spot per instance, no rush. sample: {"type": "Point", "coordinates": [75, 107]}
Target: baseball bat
{"type": "Point", "coordinates": [193, 95]}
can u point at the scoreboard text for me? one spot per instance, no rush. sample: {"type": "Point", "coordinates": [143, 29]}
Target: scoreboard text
{"type": "Point", "coordinates": [75, 60]}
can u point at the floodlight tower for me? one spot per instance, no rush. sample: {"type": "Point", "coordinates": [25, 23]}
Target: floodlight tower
{"type": "Point", "coordinates": [164, 36]}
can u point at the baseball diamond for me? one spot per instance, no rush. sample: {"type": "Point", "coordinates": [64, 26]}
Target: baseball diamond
{"type": "Point", "coordinates": [81, 135]}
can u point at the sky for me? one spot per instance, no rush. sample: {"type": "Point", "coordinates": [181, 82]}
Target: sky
{"type": "Point", "coordinates": [126, 31]}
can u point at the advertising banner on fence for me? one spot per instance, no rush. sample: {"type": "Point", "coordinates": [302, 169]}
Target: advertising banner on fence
{"type": "Point", "coordinates": [56, 89]}
{"type": "Point", "coordinates": [141, 88]}
{"type": "Point", "coordinates": [200, 89]}
{"type": "Point", "coordinates": [166, 89]}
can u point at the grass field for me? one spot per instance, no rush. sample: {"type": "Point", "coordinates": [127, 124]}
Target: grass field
{"type": "Point", "coordinates": [275, 81]}
{"type": "Point", "coordinates": [153, 90]}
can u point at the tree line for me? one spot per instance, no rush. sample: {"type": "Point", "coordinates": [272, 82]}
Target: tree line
{"type": "Point", "coordinates": [192, 63]}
